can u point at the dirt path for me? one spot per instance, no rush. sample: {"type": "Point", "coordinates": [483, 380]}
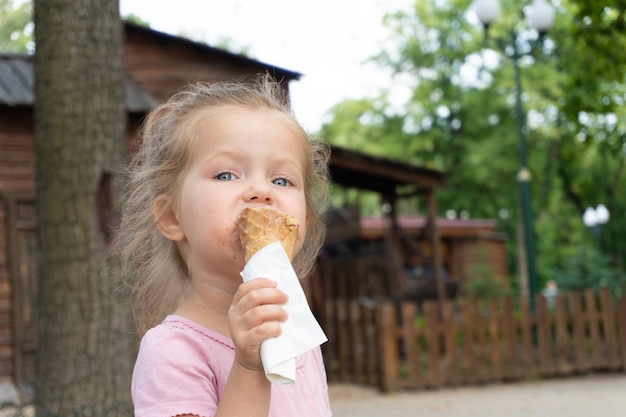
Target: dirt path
{"type": "Point", "coordinates": [584, 396]}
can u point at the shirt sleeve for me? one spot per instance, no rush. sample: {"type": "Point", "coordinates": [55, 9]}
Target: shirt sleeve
{"type": "Point", "coordinates": [172, 375]}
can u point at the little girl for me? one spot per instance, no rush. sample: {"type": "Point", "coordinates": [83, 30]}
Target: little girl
{"type": "Point", "coordinates": [209, 152]}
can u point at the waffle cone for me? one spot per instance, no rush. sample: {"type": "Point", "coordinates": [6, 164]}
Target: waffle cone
{"type": "Point", "coordinates": [258, 227]}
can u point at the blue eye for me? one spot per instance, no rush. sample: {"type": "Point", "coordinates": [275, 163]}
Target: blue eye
{"type": "Point", "coordinates": [225, 176]}
{"type": "Point", "coordinates": [283, 182]}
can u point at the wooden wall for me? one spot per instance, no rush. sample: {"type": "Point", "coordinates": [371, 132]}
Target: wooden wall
{"type": "Point", "coordinates": [17, 176]}
{"type": "Point", "coordinates": [6, 329]}
{"type": "Point", "coordinates": [478, 257]}
{"type": "Point", "coordinates": [17, 150]}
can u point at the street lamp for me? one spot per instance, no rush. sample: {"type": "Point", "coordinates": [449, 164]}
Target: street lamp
{"type": "Point", "coordinates": [541, 17]}
{"type": "Point", "coordinates": [595, 219]}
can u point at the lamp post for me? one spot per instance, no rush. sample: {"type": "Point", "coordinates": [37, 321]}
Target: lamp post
{"type": "Point", "coordinates": [541, 17]}
{"type": "Point", "coordinates": [595, 219]}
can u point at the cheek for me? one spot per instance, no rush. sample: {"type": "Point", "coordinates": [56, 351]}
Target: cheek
{"type": "Point", "coordinates": [227, 235]}
{"type": "Point", "coordinates": [220, 224]}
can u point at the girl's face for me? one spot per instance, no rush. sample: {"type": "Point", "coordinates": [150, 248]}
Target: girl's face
{"type": "Point", "coordinates": [240, 158]}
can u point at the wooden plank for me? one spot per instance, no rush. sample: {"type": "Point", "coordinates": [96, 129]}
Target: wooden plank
{"type": "Point", "coordinates": [496, 371]}
{"type": "Point", "coordinates": [581, 362]}
{"type": "Point", "coordinates": [528, 350]}
{"type": "Point", "coordinates": [357, 345]}
{"type": "Point", "coordinates": [451, 344]}
{"type": "Point", "coordinates": [543, 337]}
{"type": "Point", "coordinates": [562, 349]}
{"type": "Point", "coordinates": [371, 346]}
{"type": "Point", "coordinates": [410, 344]}
{"type": "Point", "coordinates": [386, 325]}
{"type": "Point", "coordinates": [511, 358]}
{"type": "Point", "coordinates": [343, 338]}
{"type": "Point", "coordinates": [609, 329]}
{"type": "Point", "coordinates": [421, 337]}
{"type": "Point", "coordinates": [330, 348]}
{"type": "Point", "coordinates": [431, 311]}
{"type": "Point", "coordinates": [621, 319]}
{"type": "Point", "coordinates": [593, 321]}
{"type": "Point", "coordinates": [469, 352]}
{"type": "Point", "coordinates": [483, 353]}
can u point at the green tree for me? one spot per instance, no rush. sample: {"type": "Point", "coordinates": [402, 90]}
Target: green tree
{"type": "Point", "coordinates": [591, 148]}
{"type": "Point", "coordinates": [16, 28]}
{"type": "Point", "coordinates": [86, 348]}
{"type": "Point", "coordinates": [461, 117]}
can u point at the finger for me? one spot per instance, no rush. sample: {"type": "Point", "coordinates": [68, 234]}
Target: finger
{"type": "Point", "coordinates": [252, 285]}
{"type": "Point", "coordinates": [261, 314]}
{"type": "Point", "coordinates": [258, 297]}
{"type": "Point", "coordinates": [248, 344]}
{"type": "Point", "coordinates": [259, 333]}
{"type": "Point", "coordinates": [249, 319]}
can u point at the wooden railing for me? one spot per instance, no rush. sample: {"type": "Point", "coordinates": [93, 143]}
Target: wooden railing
{"type": "Point", "coordinates": [394, 346]}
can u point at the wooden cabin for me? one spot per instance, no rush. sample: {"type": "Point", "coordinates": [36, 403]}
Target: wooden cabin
{"type": "Point", "coordinates": [415, 256]}
{"type": "Point", "coordinates": [470, 248]}
{"type": "Point", "coordinates": [381, 263]}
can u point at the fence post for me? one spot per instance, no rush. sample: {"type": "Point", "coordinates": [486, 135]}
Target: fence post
{"type": "Point", "coordinates": [609, 326]}
{"type": "Point", "coordinates": [544, 338]}
{"type": "Point", "coordinates": [581, 363]}
{"type": "Point", "coordinates": [451, 344]}
{"type": "Point", "coordinates": [411, 352]}
{"type": "Point", "coordinates": [527, 321]}
{"type": "Point", "coordinates": [597, 357]}
{"type": "Point", "coordinates": [621, 325]}
{"type": "Point", "coordinates": [431, 311]}
{"type": "Point", "coordinates": [512, 357]}
{"type": "Point", "coordinates": [388, 351]}
{"type": "Point", "coordinates": [495, 335]}
{"type": "Point", "coordinates": [562, 337]}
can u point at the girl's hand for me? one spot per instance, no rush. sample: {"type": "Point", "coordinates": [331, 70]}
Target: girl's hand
{"type": "Point", "coordinates": [253, 317]}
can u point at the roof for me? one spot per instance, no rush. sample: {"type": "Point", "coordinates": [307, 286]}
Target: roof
{"type": "Point", "coordinates": [278, 72]}
{"type": "Point", "coordinates": [17, 85]}
{"type": "Point", "coordinates": [352, 168]}
{"type": "Point", "coordinates": [17, 81]}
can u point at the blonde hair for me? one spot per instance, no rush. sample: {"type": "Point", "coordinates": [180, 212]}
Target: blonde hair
{"type": "Point", "coordinates": [157, 275]}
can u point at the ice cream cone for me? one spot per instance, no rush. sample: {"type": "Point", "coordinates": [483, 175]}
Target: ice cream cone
{"type": "Point", "coordinates": [258, 227]}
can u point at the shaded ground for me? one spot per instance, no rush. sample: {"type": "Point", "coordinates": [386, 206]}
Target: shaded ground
{"type": "Point", "coordinates": [581, 396]}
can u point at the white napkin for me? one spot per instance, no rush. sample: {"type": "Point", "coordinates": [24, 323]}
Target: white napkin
{"type": "Point", "coordinates": [301, 332]}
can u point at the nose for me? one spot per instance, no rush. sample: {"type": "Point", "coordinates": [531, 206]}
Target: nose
{"type": "Point", "coordinates": [259, 191]}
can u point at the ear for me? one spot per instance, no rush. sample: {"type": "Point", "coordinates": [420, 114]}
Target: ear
{"type": "Point", "coordinates": [167, 219]}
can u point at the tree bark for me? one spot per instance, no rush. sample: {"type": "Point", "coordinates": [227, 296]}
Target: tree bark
{"type": "Point", "coordinates": [86, 348]}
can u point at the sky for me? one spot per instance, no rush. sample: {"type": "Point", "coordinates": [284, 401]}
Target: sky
{"type": "Point", "coordinates": [327, 41]}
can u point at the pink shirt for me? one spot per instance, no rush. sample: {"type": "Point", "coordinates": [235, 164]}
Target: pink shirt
{"type": "Point", "coordinates": [182, 368]}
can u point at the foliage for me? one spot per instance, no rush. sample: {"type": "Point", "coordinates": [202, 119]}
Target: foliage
{"type": "Point", "coordinates": [16, 28]}
{"type": "Point", "coordinates": [133, 18]}
{"type": "Point", "coordinates": [486, 286]}
{"type": "Point", "coordinates": [589, 270]}
{"type": "Point", "coordinates": [460, 117]}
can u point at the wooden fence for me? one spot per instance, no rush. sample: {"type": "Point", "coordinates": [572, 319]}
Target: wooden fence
{"type": "Point", "coordinates": [394, 346]}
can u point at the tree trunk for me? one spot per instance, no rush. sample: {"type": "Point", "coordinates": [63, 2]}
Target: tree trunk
{"type": "Point", "coordinates": [86, 349]}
